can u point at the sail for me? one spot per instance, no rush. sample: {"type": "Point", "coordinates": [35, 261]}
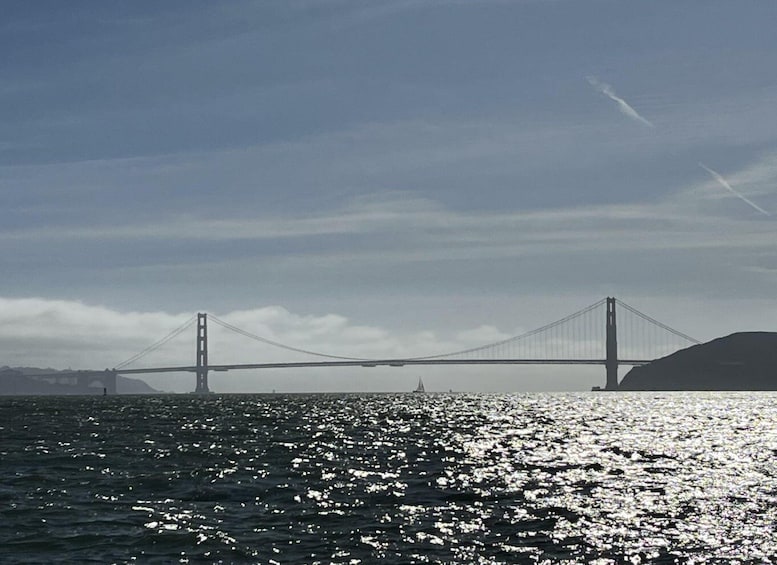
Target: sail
{"type": "Point", "coordinates": [420, 387]}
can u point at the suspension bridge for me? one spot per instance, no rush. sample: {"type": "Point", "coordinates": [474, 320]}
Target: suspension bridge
{"type": "Point", "coordinates": [609, 333]}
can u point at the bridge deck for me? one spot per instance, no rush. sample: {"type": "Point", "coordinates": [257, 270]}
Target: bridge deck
{"type": "Point", "coordinates": [379, 363]}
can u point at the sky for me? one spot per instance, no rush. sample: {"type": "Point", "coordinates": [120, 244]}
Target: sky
{"type": "Point", "coordinates": [363, 177]}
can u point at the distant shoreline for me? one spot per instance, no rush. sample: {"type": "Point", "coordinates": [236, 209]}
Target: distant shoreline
{"type": "Point", "coordinates": [29, 381]}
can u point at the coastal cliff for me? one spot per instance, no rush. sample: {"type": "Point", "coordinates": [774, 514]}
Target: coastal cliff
{"type": "Point", "coordinates": [740, 361]}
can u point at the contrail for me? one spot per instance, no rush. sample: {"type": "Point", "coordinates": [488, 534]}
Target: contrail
{"type": "Point", "coordinates": [724, 183]}
{"type": "Point", "coordinates": [623, 106]}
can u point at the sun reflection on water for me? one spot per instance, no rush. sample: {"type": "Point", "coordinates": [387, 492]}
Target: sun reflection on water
{"type": "Point", "coordinates": [604, 478]}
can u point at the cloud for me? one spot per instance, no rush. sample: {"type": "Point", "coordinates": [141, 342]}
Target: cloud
{"type": "Point", "coordinates": [483, 334]}
{"type": "Point", "coordinates": [403, 228]}
{"type": "Point", "coordinates": [68, 334]}
{"type": "Point", "coordinates": [392, 241]}
{"type": "Point", "coordinates": [61, 334]}
{"type": "Point", "coordinates": [760, 176]}
{"type": "Point", "coordinates": [725, 184]}
{"type": "Point", "coordinates": [623, 106]}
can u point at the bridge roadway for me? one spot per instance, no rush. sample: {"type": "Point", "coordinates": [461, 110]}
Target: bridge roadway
{"type": "Point", "coordinates": [377, 363]}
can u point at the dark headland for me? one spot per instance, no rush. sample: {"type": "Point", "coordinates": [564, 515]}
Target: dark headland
{"type": "Point", "coordinates": [740, 361]}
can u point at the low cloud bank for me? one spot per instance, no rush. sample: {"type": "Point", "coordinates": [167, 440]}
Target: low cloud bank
{"type": "Point", "coordinates": [67, 334]}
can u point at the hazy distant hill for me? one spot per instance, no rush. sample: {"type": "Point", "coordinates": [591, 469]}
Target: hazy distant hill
{"type": "Point", "coordinates": [740, 361]}
{"type": "Point", "coordinates": [13, 381]}
{"type": "Point", "coordinates": [126, 385]}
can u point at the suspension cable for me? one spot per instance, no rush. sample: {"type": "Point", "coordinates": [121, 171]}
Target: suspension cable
{"type": "Point", "coordinates": [659, 324]}
{"type": "Point", "coordinates": [156, 345]}
{"type": "Point", "coordinates": [464, 351]}
{"type": "Point", "coordinates": [280, 345]}
{"type": "Point", "coordinates": [518, 337]}
{"type": "Point", "coordinates": [506, 342]}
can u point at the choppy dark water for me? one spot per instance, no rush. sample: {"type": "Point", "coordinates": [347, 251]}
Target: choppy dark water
{"type": "Point", "coordinates": [637, 477]}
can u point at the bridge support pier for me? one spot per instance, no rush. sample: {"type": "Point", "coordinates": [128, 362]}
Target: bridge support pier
{"type": "Point", "coordinates": [202, 355]}
{"type": "Point", "coordinates": [611, 359]}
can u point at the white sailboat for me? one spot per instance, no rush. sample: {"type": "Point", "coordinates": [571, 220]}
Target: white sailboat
{"type": "Point", "coordinates": [420, 387]}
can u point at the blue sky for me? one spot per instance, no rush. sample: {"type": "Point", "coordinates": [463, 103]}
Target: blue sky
{"type": "Point", "coordinates": [412, 167]}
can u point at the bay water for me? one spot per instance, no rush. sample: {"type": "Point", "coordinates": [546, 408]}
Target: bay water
{"type": "Point", "coordinates": [390, 478]}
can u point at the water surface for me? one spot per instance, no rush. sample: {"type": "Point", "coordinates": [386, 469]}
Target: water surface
{"type": "Point", "coordinates": [459, 478]}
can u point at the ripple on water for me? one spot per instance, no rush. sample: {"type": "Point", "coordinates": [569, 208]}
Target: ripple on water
{"type": "Point", "coordinates": [639, 477]}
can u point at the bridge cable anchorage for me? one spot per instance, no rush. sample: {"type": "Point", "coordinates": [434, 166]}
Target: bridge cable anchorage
{"type": "Point", "coordinates": [266, 341]}
{"type": "Point", "coordinates": [512, 340]}
{"type": "Point", "coordinates": [659, 324]}
{"type": "Point", "coordinates": [156, 345]}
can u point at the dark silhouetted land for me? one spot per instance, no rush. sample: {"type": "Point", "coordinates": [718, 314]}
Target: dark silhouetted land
{"type": "Point", "coordinates": [740, 361]}
{"type": "Point", "coordinates": [20, 381]}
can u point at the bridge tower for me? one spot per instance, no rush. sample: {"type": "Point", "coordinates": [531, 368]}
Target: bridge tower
{"type": "Point", "coordinates": [611, 359]}
{"type": "Point", "coordinates": [202, 355]}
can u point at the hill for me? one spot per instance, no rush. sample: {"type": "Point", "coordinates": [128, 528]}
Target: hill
{"type": "Point", "coordinates": [126, 385]}
{"type": "Point", "coordinates": [16, 381]}
{"type": "Point", "coordinates": [740, 361]}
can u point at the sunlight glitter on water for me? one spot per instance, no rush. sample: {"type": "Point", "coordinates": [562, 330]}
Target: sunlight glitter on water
{"type": "Point", "coordinates": [637, 477]}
